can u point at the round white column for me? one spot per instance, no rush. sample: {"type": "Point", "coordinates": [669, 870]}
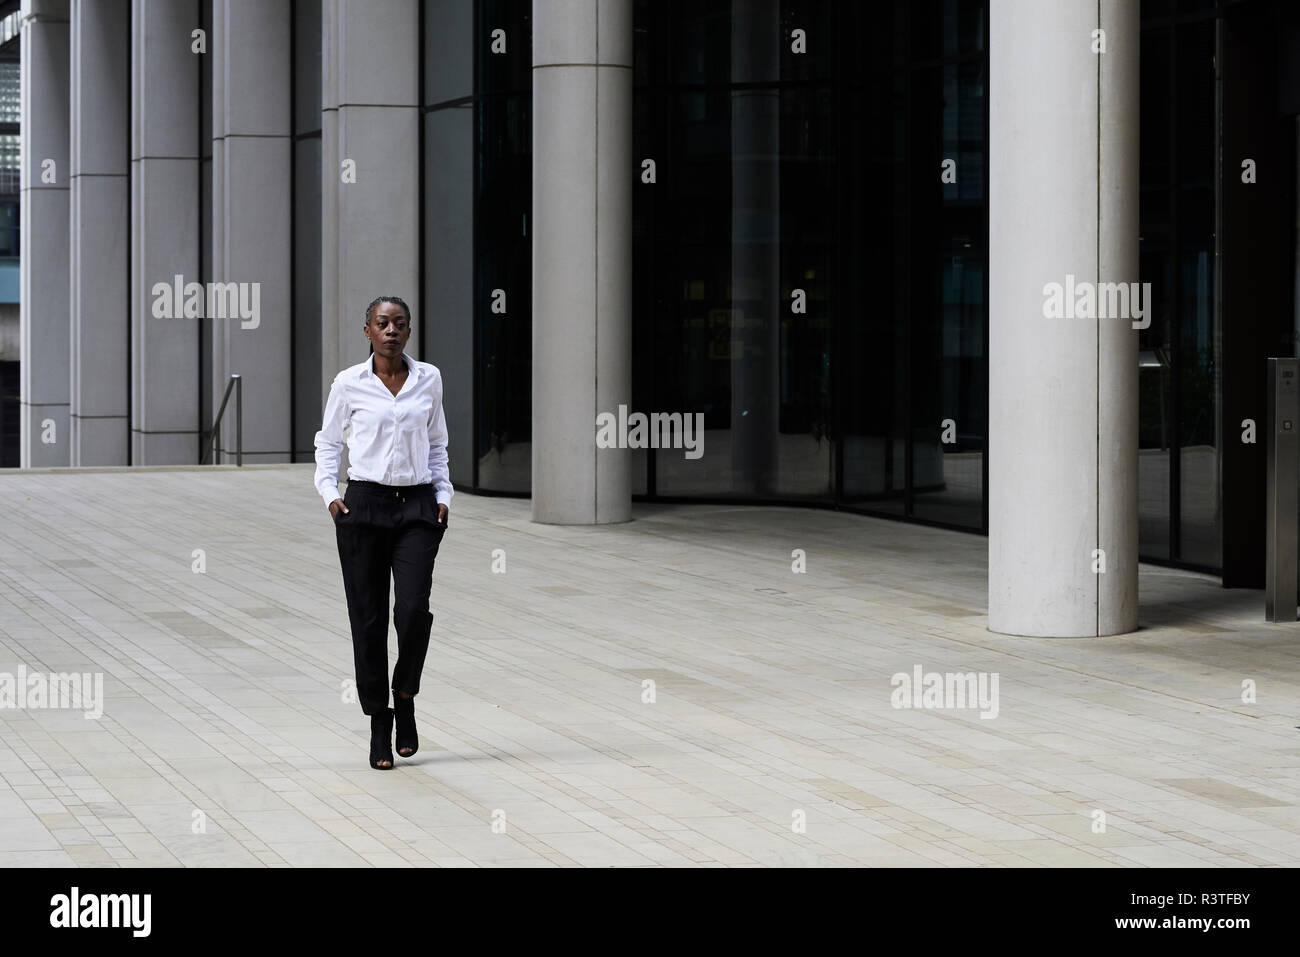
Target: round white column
{"type": "Point", "coordinates": [582, 257]}
{"type": "Point", "coordinates": [1063, 202]}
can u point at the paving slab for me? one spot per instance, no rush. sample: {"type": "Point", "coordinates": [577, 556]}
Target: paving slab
{"type": "Point", "coordinates": [662, 692]}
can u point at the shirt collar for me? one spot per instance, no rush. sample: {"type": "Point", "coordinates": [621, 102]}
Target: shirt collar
{"type": "Point", "coordinates": [368, 367]}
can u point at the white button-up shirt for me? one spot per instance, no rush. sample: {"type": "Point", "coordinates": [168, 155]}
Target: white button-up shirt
{"type": "Point", "coordinates": [392, 439]}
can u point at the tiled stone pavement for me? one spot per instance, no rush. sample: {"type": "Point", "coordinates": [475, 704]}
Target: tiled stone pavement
{"type": "Point", "coordinates": [772, 695]}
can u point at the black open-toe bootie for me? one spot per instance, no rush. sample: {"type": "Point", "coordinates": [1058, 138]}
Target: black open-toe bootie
{"type": "Point", "coordinates": [381, 739]}
{"type": "Point", "coordinates": [407, 740]}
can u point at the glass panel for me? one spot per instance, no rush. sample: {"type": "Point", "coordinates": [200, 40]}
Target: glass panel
{"type": "Point", "coordinates": [782, 194]}
{"type": "Point", "coordinates": [449, 50]}
{"type": "Point", "coordinates": [9, 231]}
{"type": "Point", "coordinates": [873, 323]}
{"type": "Point", "coordinates": [810, 56]}
{"type": "Point", "coordinates": [742, 232]}
{"type": "Point", "coordinates": [648, 247]}
{"type": "Point", "coordinates": [949, 387]}
{"type": "Point", "coordinates": [10, 106]}
{"type": "Point", "coordinates": [701, 42]}
{"type": "Point", "coordinates": [1155, 376]}
{"type": "Point", "coordinates": [1294, 342]}
{"type": "Point", "coordinates": [804, 443]}
{"type": "Point", "coordinates": [692, 339]}
{"type": "Point", "coordinates": [449, 273]}
{"type": "Point", "coordinates": [307, 66]}
{"type": "Point", "coordinates": [1199, 539]}
{"type": "Point", "coordinates": [503, 260]}
{"type": "Point", "coordinates": [944, 28]}
{"type": "Point", "coordinates": [205, 89]}
{"type": "Point", "coordinates": [510, 71]}
{"type": "Point", "coordinates": [1156, 8]}
{"type": "Point", "coordinates": [10, 416]}
{"type": "Point", "coordinates": [307, 295]}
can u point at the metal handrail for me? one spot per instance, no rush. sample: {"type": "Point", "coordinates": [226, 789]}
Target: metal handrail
{"type": "Point", "coordinates": [237, 383]}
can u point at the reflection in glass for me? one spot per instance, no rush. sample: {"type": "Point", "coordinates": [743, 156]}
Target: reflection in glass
{"type": "Point", "coordinates": [949, 385]}
{"type": "Point", "coordinates": [448, 50]}
{"type": "Point", "coordinates": [477, 130]}
{"type": "Point", "coordinates": [307, 294]}
{"type": "Point", "coordinates": [808, 291]}
{"type": "Point", "coordinates": [503, 261]}
{"type": "Point", "coordinates": [449, 273]}
{"type": "Point", "coordinates": [1197, 343]}
{"type": "Point", "coordinates": [1155, 372]}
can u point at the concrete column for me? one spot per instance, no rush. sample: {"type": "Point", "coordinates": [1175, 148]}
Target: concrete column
{"type": "Point", "coordinates": [1063, 201]}
{"type": "Point", "coordinates": [756, 304]}
{"type": "Point", "coordinates": [370, 225]}
{"type": "Point", "coordinates": [252, 155]}
{"type": "Point", "coordinates": [99, 287]}
{"type": "Point", "coordinates": [165, 218]}
{"type": "Point", "coordinates": [582, 256]}
{"type": "Point", "coordinates": [44, 319]}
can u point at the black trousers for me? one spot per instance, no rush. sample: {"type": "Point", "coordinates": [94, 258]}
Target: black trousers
{"type": "Point", "coordinates": [388, 530]}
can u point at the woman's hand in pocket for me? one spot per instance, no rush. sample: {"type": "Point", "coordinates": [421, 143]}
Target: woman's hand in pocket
{"type": "Point", "coordinates": [337, 508]}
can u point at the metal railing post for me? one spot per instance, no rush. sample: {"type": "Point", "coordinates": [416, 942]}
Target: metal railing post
{"type": "Point", "coordinates": [214, 446]}
{"type": "Point", "coordinates": [239, 420]}
{"type": "Point", "coordinates": [1283, 451]}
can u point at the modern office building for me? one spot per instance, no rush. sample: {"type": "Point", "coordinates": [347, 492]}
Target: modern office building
{"type": "Point", "coordinates": [830, 228]}
{"type": "Point", "coordinates": [10, 109]}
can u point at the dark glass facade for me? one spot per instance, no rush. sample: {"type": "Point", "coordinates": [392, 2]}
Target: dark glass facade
{"type": "Point", "coordinates": [477, 143]}
{"type": "Point", "coordinates": [1178, 488]}
{"type": "Point", "coordinates": [806, 274]}
{"type": "Point", "coordinates": [1219, 84]}
{"type": "Point", "coordinates": [810, 261]}
{"type": "Point", "coordinates": [797, 278]}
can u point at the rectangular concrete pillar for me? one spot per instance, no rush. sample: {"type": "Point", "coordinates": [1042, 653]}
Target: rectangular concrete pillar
{"type": "Point", "coordinates": [251, 178]}
{"type": "Point", "coordinates": [99, 280]}
{"type": "Point", "coordinates": [369, 173]}
{"type": "Point", "coordinates": [44, 315]}
{"type": "Point", "coordinates": [165, 217]}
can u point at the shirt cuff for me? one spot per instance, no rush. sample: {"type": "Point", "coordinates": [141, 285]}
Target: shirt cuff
{"type": "Point", "coordinates": [330, 494]}
{"type": "Point", "coordinates": [442, 498]}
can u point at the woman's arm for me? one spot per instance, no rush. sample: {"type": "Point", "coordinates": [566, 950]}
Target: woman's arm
{"type": "Point", "coordinates": [438, 449]}
{"type": "Point", "coordinates": [329, 443]}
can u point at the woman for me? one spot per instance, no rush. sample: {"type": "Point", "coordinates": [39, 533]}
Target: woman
{"type": "Point", "coordinates": [392, 519]}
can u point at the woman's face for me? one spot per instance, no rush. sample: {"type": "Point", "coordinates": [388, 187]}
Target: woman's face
{"type": "Point", "coordinates": [388, 329]}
